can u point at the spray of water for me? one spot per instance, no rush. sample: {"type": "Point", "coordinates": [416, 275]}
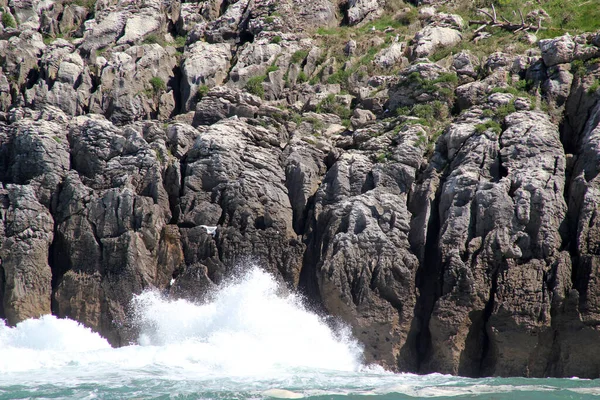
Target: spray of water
{"type": "Point", "coordinates": [248, 328]}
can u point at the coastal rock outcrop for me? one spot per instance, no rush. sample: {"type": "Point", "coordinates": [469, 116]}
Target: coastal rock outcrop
{"type": "Point", "coordinates": [430, 185]}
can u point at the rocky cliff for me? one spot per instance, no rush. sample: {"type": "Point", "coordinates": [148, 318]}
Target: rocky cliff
{"type": "Point", "coordinates": [429, 182]}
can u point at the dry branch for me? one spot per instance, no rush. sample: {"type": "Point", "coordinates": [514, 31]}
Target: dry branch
{"type": "Point", "coordinates": [505, 24]}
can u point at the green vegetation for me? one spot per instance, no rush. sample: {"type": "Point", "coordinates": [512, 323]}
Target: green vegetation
{"type": "Point", "coordinates": [340, 77]}
{"type": "Point", "coordinates": [157, 84]}
{"type": "Point", "coordinates": [441, 87]}
{"type": "Point", "coordinates": [503, 111]}
{"type": "Point", "coordinates": [330, 105]}
{"type": "Point", "coordinates": [488, 125]}
{"type": "Point", "coordinates": [255, 87]}
{"type": "Point", "coordinates": [202, 91]}
{"type": "Point", "coordinates": [179, 42]}
{"type": "Point", "coordinates": [299, 56]}
{"type": "Point", "coordinates": [302, 77]}
{"type": "Point", "coordinates": [519, 90]}
{"type": "Point", "coordinates": [8, 20]}
{"type": "Point", "coordinates": [594, 87]}
{"type": "Point", "coordinates": [276, 39]}
{"type": "Point", "coordinates": [153, 39]}
{"type": "Point", "coordinates": [89, 4]}
{"type": "Point", "coordinates": [383, 157]}
{"type": "Point", "coordinates": [573, 16]}
{"type": "Point", "coordinates": [272, 68]}
{"type": "Point", "coordinates": [317, 124]}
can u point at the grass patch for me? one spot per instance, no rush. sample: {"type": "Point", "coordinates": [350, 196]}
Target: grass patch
{"type": "Point", "coordinates": [299, 56]}
{"type": "Point", "coordinates": [317, 124]}
{"type": "Point", "coordinates": [594, 87]}
{"type": "Point", "coordinates": [503, 111]}
{"type": "Point", "coordinates": [302, 77]}
{"type": "Point", "coordinates": [488, 125]}
{"type": "Point", "coordinates": [8, 21]}
{"type": "Point", "coordinates": [89, 4]}
{"type": "Point", "coordinates": [254, 85]}
{"type": "Point", "coordinates": [573, 16]}
{"type": "Point", "coordinates": [202, 91]}
{"type": "Point", "coordinates": [153, 39]}
{"type": "Point", "coordinates": [157, 84]}
{"type": "Point", "coordinates": [179, 42]}
{"type": "Point", "coordinates": [330, 105]}
{"type": "Point", "coordinates": [383, 157]}
{"type": "Point", "coordinates": [276, 39]}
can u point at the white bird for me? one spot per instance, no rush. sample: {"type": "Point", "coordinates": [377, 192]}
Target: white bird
{"type": "Point", "coordinates": [373, 28]}
{"type": "Point", "coordinates": [211, 230]}
{"type": "Point", "coordinates": [172, 282]}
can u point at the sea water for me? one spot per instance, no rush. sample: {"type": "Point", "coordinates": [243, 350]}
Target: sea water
{"type": "Point", "coordinates": [251, 340]}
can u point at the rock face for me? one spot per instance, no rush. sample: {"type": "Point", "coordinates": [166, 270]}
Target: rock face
{"type": "Point", "coordinates": [445, 211]}
{"type": "Point", "coordinates": [500, 213]}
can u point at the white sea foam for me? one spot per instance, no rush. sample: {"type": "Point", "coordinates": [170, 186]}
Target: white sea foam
{"type": "Point", "coordinates": [248, 329]}
{"type": "Point", "coordinates": [248, 341]}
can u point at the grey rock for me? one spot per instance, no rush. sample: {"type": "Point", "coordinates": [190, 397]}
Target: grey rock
{"type": "Point", "coordinates": [430, 39]}
{"type": "Point", "coordinates": [359, 10]}
{"type": "Point", "coordinates": [203, 64]}
{"type": "Point", "coordinates": [26, 234]}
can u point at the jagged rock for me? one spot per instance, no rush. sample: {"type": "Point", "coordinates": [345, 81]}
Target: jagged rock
{"type": "Point", "coordinates": [429, 39]}
{"type": "Point", "coordinates": [350, 47]}
{"type": "Point", "coordinates": [232, 179]}
{"type": "Point", "coordinates": [38, 156]}
{"type": "Point", "coordinates": [224, 102]}
{"type": "Point", "coordinates": [73, 17]}
{"type": "Point", "coordinates": [69, 79]}
{"type": "Point", "coordinates": [465, 65]}
{"type": "Point", "coordinates": [583, 307]}
{"type": "Point", "coordinates": [567, 48]}
{"type": "Point", "coordinates": [26, 235]}
{"type": "Point", "coordinates": [103, 30]}
{"type": "Point", "coordinates": [452, 253]}
{"type": "Point", "coordinates": [557, 51]}
{"type": "Point", "coordinates": [510, 242]}
{"type": "Point", "coordinates": [246, 199]}
{"type": "Point", "coordinates": [360, 216]}
{"type": "Point", "coordinates": [144, 22]}
{"type": "Point", "coordinates": [204, 64]}
{"type": "Point", "coordinates": [112, 238]}
{"type": "Point", "coordinates": [361, 117]}
{"type": "Point", "coordinates": [390, 56]}
{"type": "Point", "coordinates": [359, 10]}
{"type": "Point", "coordinates": [21, 54]}
{"type": "Point", "coordinates": [131, 84]}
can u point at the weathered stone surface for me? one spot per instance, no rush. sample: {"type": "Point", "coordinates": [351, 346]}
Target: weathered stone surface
{"type": "Point", "coordinates": [233, 179]}
{"type": "Point", "coordinates": [430, 39]}
{"type": "Point", "coordinates": [134, 82]}
{"type": "Point", "coordinates": [365, 271]}
{"type": "Point", "coordinates": [27, 232]}
{"type": "Point", "coordinates": [501, 211]}
{"type": "Point", "coordinates": [359, 10]}
{"type": "Point", "coordinates": [204, 65]}
{"type": "Point", "coordinates": [112, 238]}
{"type": "Point", "coordinates": [423, 204]}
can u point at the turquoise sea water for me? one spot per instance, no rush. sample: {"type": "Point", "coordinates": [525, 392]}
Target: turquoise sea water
{"type": "Point", "coordinates": [248, 342]}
